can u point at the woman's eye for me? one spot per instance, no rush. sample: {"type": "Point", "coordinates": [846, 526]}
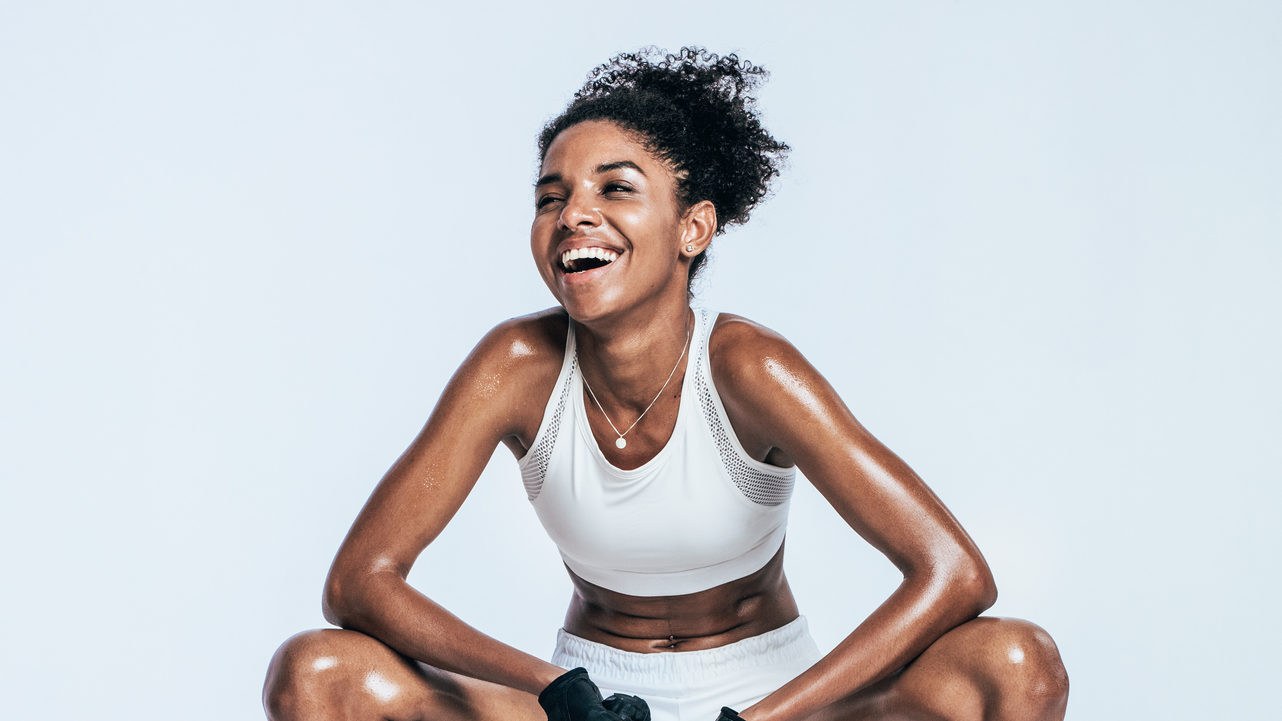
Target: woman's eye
{"type": "Point", "coordinates": [545, 201]}
{"type": "Point", "coordinates": [618, 188]}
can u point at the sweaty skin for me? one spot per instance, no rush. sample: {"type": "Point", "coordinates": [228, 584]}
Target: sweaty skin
{"type": "Point", "coordinates": [923, 652]}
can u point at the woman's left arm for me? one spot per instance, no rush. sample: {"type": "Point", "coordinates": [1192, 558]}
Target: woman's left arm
{"type": "Point", "coordinates": [777, 401]}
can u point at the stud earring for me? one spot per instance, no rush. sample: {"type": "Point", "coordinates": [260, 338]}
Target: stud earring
{"type": "Point", "coordinates": [689, 247]}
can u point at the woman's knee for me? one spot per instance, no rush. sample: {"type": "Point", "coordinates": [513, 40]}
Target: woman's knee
{"type": "Point", "coordinates": [1024, 667]}
{"type": "Point", "coordinates": [311, 675]}
{"type": "Point", "coordinates": [295, 671]}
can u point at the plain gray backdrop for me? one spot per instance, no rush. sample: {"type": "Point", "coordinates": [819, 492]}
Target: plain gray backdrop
{"type": "Point", "coordinates": [1036, 247]}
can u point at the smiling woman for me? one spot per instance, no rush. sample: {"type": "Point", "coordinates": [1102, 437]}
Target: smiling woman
{"type": "Point", "coordinates": [658, 444]}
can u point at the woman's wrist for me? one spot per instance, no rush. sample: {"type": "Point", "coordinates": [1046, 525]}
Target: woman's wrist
{"type": "Point", "coordinates": [546, 676]}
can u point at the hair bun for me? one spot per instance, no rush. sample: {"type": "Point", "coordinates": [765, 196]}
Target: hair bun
{"type": "Point", "coordinates": [695, 110]}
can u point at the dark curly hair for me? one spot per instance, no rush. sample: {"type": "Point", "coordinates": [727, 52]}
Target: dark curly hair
{"type": "Point", "coordinates": [693, 109]}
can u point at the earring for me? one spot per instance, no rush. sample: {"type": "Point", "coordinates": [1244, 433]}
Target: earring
{"type": "Point", "coordinates": [689, 247]}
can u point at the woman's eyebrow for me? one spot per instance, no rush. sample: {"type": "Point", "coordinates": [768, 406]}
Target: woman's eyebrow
{"type": "Point", "coordinates": [607, 167]}
{"type": "Point", "coordinates": [602, 168]}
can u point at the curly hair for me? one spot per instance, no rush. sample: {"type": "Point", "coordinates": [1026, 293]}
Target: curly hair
{"type": "Point", "coordinates": [694, 110]}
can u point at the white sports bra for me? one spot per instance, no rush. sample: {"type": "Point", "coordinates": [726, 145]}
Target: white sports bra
{"type": "Point", "coordinates": [701, 513]}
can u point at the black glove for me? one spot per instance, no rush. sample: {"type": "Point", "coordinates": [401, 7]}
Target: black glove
{"type": "Point", "coordinates": [631, 708]}
{"type": "Point", "coordinates": [729, 714]}
{"type": "Point", "coordinates": [573, 697]}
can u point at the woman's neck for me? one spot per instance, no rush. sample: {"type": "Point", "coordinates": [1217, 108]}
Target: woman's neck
{"type": "Point", "coordinates": [627, 361]}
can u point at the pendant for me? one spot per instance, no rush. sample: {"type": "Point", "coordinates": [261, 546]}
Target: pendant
{"type": "Point", "coordinates": [620, 443]}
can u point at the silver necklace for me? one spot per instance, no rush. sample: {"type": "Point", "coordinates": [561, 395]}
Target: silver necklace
{"type": "Point", "coordinates": [620, 442]}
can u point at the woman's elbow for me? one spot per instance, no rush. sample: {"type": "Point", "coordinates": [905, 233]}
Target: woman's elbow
{"type": "Point", "coordinates": [345, 596]}
{"type": "Point", "coordinates": [974, 585]}
{"type": "Point", "coordinates": [333, 604]}
{"type": "Point", "coordinates": [353, 591]}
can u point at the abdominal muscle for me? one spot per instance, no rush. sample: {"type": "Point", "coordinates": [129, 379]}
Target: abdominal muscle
{"type": "Point", "coordinates": [733, 611]}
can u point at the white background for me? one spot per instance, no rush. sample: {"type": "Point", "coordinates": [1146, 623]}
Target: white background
{"type": "Point", "coordinates": [1036, 246]}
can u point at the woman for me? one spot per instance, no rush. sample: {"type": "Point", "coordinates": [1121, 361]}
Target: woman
{"type": "Point", "coordinates": [658, 445]}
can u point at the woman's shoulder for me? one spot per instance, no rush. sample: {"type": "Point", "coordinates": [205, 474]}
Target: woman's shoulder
{"type": "Point", "coordinates": [524, 344]}
{"type": "Point", "coordinates": [739, 344]}
{"type": "Point", "coordinates": [753, 362]}
{"type": "Point", "coordinates": [763, 382]}
{"type": "Point", "coordinates": [511, 372]}
{"type": "Point", "coordinates": [541, 332]}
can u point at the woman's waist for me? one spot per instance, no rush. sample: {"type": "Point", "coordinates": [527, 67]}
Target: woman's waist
{"type": "Point", "coordinates": [726, 614]}
{"type": "Point", "coordinates": [789, 646]}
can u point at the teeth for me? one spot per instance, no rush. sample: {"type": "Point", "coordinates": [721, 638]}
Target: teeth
{"type": "Point", "coordinates": [569, 256]}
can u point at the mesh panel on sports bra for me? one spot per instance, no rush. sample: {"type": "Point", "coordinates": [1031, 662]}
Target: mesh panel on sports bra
{"type": "Point", "coordinates": [765, 487]}
{"type": "Point", "coordinates": [533, 473]}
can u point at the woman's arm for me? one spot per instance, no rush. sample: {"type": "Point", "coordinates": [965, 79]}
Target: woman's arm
{"type": "Point", "coordinates": [783, 407]}
{"type": "Point", "coordinates": [494, 395]}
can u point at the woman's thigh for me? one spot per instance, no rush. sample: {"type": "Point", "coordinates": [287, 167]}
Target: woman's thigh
{"type": "Point", "coordinates": [340, 674]}
{"type": "Point", "coordinates": [987, 669]}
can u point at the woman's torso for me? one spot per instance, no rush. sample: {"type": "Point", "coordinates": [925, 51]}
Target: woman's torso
{"type": "Point", "coordinates": [753, 599]}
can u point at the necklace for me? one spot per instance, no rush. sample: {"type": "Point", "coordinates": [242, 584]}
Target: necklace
{"type": "Point", "coordinates": [621, 442]}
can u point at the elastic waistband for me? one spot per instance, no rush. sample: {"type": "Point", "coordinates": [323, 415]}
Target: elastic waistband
{"type": "Point", "coordinates": [769, 648]}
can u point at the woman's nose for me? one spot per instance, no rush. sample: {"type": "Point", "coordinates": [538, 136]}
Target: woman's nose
{"type": "Point", "coordinates": [579, 210]}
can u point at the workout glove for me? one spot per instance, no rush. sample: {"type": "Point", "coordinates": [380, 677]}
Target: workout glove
{"type": "Point", "coordinates": [631, 708]}
{"type": "Point", "coordinates": [573, 697]}
{"type": "Point", "coordinates": [729, 714]}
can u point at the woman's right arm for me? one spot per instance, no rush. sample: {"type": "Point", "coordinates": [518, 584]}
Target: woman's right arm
{"type": "Point", "coordinates": [494, 395]}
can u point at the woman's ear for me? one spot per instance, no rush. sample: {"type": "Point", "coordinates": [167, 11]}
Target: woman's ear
{"type": "Point", "coordinates": [698, 226]}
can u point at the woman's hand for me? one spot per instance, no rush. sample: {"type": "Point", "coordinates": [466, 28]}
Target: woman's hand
{"type": "Point", "coordinates": [631, 708]}
{"type": "Point", "coordinates": [573, 697]}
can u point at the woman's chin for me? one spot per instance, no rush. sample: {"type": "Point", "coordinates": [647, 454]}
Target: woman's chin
{"type": "Point", "coordinates": [585, 311]}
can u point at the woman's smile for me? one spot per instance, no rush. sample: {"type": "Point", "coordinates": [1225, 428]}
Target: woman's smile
{"type": "Point", "coordinates": [585, 270]}
{"type": "Point", "coordinates": [580, 260]}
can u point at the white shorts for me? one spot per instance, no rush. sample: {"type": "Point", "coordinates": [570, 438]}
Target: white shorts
{"type": "Point", "coordinates": [694, 685]}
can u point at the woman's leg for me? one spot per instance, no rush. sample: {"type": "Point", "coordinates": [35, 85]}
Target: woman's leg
{"type": "Point", "coordinates": [340, 675]}
{"type": "Point", "coordinates": [988, 669]}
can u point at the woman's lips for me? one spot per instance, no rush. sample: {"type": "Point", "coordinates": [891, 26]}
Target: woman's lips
{"type": "Point", "coordinates": [584, 276]}
{"type": "Point", "coordinates": [574, 257]}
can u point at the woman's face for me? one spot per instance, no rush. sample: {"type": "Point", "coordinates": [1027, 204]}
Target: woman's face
{"type": "Point", "coordinates": [607, 225]}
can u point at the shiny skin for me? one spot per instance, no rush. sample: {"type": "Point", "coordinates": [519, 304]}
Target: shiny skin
{"type": "Point", "coordinates": [922, 654]}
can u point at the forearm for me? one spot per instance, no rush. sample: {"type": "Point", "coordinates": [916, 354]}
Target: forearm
{"type": "Point", "coordinates": [915, 615]}
{"type": "Point", "coordinates": [385, 606]}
